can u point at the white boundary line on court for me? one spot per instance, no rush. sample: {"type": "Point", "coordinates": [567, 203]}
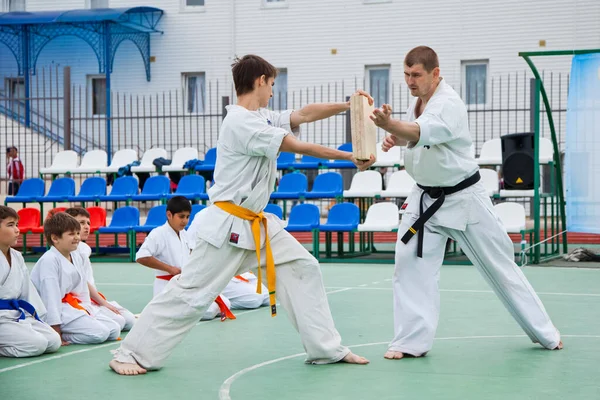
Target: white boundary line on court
{"type": "Point", "coordinates": [360, 287]}
{"type": "Point", "coordinates": [226, 385]}
{"type": "Point", "coordinates": [27, 364]}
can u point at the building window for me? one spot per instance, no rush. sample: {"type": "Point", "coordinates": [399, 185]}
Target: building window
{"type": "Point", "coordinates": [98, 92]}
{"type": "Point", "coordinates": [97, 4]}
{"type": "Point", "coordinates": [12, 5]}
{"type": "Point", "coordinates": [279, 100]}
{"type": "Point", "coordinates": [378, 83]}
{"type": "Point", "coordinates": [194, 91]}
{"type": "Point", "coordinates": [474, 81]}
{"type": "Point", "coordinates": [192, 5]}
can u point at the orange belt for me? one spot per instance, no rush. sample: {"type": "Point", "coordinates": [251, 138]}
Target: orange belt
{"type": "Point", "coordinates": [256, 220]}
{"type": "Point", "coordinates": [241, 278]}
{"type": "Point", "coordinates": [73, 301]}
{"type": "Point", "coordinates": [225, 311]}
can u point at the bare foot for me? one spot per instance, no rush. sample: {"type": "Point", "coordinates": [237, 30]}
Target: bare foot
{"type": "Point", "coordinates": [393, 355]}
{"type": "Point", "coordinates": [559, 347]}
{"type": "Point", "coordinates": [352, 358]}
{"type": "Point", "coordinates": [126, 369]}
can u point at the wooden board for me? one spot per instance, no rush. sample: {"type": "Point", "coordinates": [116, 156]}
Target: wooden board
{"type": "Point", "coordinates": [364, 131]}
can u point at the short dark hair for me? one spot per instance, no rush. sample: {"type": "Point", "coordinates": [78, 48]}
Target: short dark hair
{"type": "Point", "coordinates": [422, 55]}
{"type": "Point", "coordinates": [7, 212]}
{"type": "Point", "coordinates": [179, 204]}
{"type": "Point", "coordinates": [247, 69]}
{"type": "Point", "coordinates": [77, 211]}
{"type": "Point", "coordinates": [58, 224]}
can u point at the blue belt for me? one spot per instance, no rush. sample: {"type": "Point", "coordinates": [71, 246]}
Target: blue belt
{"type": "Point", "coordinates": [19, 305]}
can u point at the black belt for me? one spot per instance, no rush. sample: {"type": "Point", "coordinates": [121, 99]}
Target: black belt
{"type": "Point", "coordinates": [438, 193]}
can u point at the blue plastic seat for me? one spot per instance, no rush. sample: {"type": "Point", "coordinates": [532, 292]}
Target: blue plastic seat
{"type": "Point", "coordinates": [155, 188]}
{"type": "Point", "coordinates": [274, 209]}
{"type": "Point", "coordinates": [123, 220]}
{"type": "Point", "coordinates": [309, 162]}
{"type": "Point", "coordinates": [91, 189]}
{"type": "Point", "coordinates": [291, 186]}
{"type": "Point", "coordinates": [157, 216]}
{"type": "Point", "coordinates": [343, 217]}
{"type": "Point", "coordinates": [303, 218]}
{"type": "Point", "coordinates": [192, 187]}
{"type": "Point", "coordinates": [29, 191]}
{"type": "Point", "coordinates": [196, 208]}
{"type": "Point", "coordinates": [285, 160]}
{"type": "Point", "coordinates": [60, 190]}
{"type": "Point", "coordinates": [339, 164]}
{"type": "Point", "coordinates": [326, 186]}
{"type": "Point", "coordinates": [123, 189]}
{"type": "Point", "coordinates": [209, 162]}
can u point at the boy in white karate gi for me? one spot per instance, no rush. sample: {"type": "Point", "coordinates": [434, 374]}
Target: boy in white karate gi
{"type": "Point", "coordinates": [241, 290]}
{"type": "Point", "coordinates": [110, 309]}
{"type": "Point", "coordinates": [166, 249]}
{"type": "Point", "coordinates": [22, 332]}
{"type": "Point", "coordinates": [447, 202]}
{"type": "Point", "coordinates": [234, 231]}
{"type": "Point", "coordinates": [62, 282]}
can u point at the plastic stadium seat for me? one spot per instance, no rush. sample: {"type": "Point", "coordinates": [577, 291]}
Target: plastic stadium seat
{"type": "Point", "coordinates": [381, 217]}
{"type": "Point", "coordinates": [327, 185]}
{"type": "Point", "coordinates": [209, 161]}
{"type": "Point", "coordinates": [343, 217]}
{"type": "Point", "coordinates": [121, 158]}
{"type": "Point", "coordinates": [309, 162]}
{"type": "Point", "coordinates": [365, 184]}
{"type": "Point", "coordinates": [512, 216]}
{"type": "Point", "coordinates": [40, 228]}
{"type": "Point", "coordinates": [97, 218]}
{"type": "Point", "coordinates": [285, 160]}
{"type": "Point", "coordinates": [303, 218]}
{"type": "Point", "coordinates": [60, 190]}
{"type": "Point", "coordinates": [192, 187]}
{"type": "Point", "coordinates": [155, 188]}
{"type": "Point", "coordinates": [291, 186]}
{"type": "Point", "coordinates": [180, 157]}
{"type": "Point", "coordinates": [91, 189]}
{"type": "Point", "coordinates": [29, 219]}
{"type": "Point", "coordinates": [147, 163]}
{"type": "Point", "coordinates": [123, 220]}
{"type": "Point", "coordinates": [93, 161]}
{"type": "Point", "coordinates": [64, 162]}
{"type": "Point", "coordinates": [338, 164]}
{"type": "Point", "coordinates": [491, 153]}
{"type": "Point", "coordinates": [274, 209]}
{"type": "Point", "coordinates": [28, 192]}
{"type": "Point", "coordinates": [400, 185]}
{"type": "Point", "coordinates": [123, 189]}
{"type": "Point", "coordinates": [391, 158]}
{"type": "Point", "coordinates": [490, 180]}
{"type": "Point", "coordinates": [157, 216]}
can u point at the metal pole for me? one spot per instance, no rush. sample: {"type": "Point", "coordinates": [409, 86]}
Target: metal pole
{"type": "Point", "coordinates": [224, 104]}
{"type": "Point", "coordinates": [107, 57]}
{"type": "Point", "coordinates": [67, 106]}
{"type": "Point", "coordinates": [536, 171]}
{"type": "Point", "coordinates": [26, 61]}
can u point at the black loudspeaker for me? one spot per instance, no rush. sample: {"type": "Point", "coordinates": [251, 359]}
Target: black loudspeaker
{"type": "Point", "coordinates": [517, 160]}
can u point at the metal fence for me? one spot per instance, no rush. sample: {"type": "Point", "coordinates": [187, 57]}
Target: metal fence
{"type": "Point", "coordinates": [36, 123]}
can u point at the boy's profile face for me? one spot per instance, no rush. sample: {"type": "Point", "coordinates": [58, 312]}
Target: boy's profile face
{"type": "Point", "coordinates": [9, 231]}
{"type": "Point", "coordinates": [85, 226]}
{"type": "Point", "coordinates": [67, 242]}
{"type": "Point", "coordinates": [178, 221]}
{"type": "Point", "coordinates": [265, 89]}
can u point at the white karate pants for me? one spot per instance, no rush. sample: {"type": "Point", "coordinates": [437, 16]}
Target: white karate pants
{"type": "Point", "coordinates": [90, 329]}
{"type": "Point", "coordinates": [211, 312]}
{"type": "Point", "coordinates": [27, 338]}
{"type": "Point", "coordinates": [299, 290]}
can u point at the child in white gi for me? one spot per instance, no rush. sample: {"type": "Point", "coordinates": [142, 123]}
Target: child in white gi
{"type": "Point", "coordinates": [110, 309]}
{"type": "Point", "coordinates": [234, 231]}
{"type": "Point", "coordinates": [447, 202]}
{"type": "Point", "coordinates": [22, 332]}
{"type": "Point", "coordinates": [61, 280]}
{"type": "Point", "coordinates": [167, 249]}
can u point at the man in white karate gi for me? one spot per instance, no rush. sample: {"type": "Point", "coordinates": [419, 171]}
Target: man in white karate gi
{"type": "Point", "coordinates": [447, 202]}
{"type": "Point", "coordinates": [22, 332]}
{"type": "Point", "coordinates": [234, 231]}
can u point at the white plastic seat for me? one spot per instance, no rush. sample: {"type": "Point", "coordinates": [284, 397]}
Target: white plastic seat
{"type": "Point", "coordinates": [390, 159]}
{"type": "Point", "coordinates": [546, 151]}
{"type": "Point", "coordinates": [491, 153]}
{"type": "Point", "coordinates": [365, 184]}
{"type": "Point", "coordinates": [121, 158]}
{"type": "Point", "coordinates": [512, 216]}
{"type": "Point", "coordinates": [180, 157]}
{"type": "Point", "coordinates": [146, 165]}
{"type": "Point", "coordinates": [490, 180]}
{"type": "Point", "coordinates": [93, 161]}
{"type": "Point", "coordinates": [517, 193]}
{"type": "Point", "coordinates": [400, 185]}
{"type": "Point", "coordinates": [64, 162]}
{"type": "Point", "coordinates": [381, 217]}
